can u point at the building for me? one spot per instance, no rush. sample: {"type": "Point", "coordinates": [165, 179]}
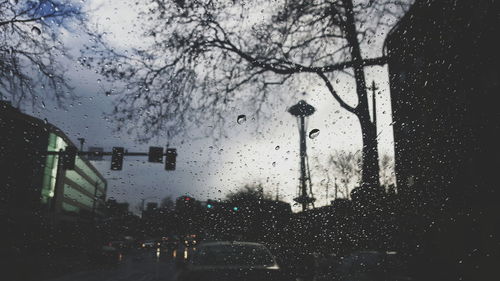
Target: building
{"type": "Point", "coordinates": [34, 183]}
{"type": "Point", "coordinates": [443, 59]}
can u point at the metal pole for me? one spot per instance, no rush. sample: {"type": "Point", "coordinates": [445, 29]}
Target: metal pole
{"type": "Point", "coordinates": [336, 188]}
{"type": "Point", "coordinates": [94, 203]}
{"type": "Point", "coordinates": [374, 89]}
{"type": "Point", "coordinates": [82, 141]}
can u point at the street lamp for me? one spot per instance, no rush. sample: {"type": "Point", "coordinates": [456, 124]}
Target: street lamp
{"type": "Point", "coordinates": [302, 110]}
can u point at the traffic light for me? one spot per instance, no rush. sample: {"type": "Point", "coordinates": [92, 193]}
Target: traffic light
{"type": "Point", "coordinates": [69, 158]}
{"type": "Point", "coordinates": [170, 159]}
{"type": "Point", "coordinates": [117, 158]}
{"type": "Point", "coordinates": [155, 154]}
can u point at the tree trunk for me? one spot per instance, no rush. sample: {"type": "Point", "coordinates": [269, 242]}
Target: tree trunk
{"type": "Point", "coordinates": [370, 172]}
{"type": "Point", "coordinates": [370, 168]}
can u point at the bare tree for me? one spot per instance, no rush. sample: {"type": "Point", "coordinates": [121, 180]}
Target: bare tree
{"type": "Point", "coordinates": [387, 176]}
{"type": "Point", "coordinates": [29, 50]}
{"type": "Point", "coordinates": [249, 193]}
{"type": "Point", "coordinates": [346, 166]}
{"type": "Point", "coordinates": [206, 55]}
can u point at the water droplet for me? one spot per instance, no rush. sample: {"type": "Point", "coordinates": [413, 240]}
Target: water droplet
{"type": "Point", "coordinates": [241, 119]}
{"type": "Point", "coordinates": [277, 147]}
{"type": "Point", "coordinates": [313, 133]}
{"type": "Point", "coordinates": [36, 31]}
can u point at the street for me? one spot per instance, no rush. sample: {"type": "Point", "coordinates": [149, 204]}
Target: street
{"type": "Point", "coordinates": [138, 265]}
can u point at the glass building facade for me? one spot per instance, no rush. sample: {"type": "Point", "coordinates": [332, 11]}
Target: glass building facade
{"type": "Point", "coordinates": [83, 189]}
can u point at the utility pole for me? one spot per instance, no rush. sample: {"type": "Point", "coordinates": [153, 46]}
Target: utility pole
{"type": "Point", "coordinates": [374, 89]}
{"type": "Point", "coordinates": [336, 187]}
{"type": "Point", "coordinates": [327, 185]}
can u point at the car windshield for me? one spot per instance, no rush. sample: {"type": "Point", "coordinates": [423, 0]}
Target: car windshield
{"type": "Point", "coordinates": [312, 140]}
{"type": "Point", "coordinates": [232, 255]}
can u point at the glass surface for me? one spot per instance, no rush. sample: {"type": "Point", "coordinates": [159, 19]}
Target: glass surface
{"type": "Point", "coordinates": [303, 140]}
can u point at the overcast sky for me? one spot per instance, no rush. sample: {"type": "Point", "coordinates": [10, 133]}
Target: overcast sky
{"type": "Point", "coordinates": [266, 154]}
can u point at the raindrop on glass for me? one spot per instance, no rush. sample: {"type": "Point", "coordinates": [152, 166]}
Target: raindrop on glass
{"type": "Point", "coordinates": [36, 31]}
{"type": "Point", "coordinates": [241, 119]}
{"type": "Point", "coordinates": [313, 133]}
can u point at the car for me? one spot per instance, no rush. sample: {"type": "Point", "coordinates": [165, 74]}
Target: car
{"type": "Point", "coordinates": [105, 255]}
{"type": "Point", "coordinates": [119, 245]}
{"type": "Point", "coordinates": [190, 240]}
{"type": "Point", "coordinates": [169, 242]}
{"type": "Point", "coordinates": [372, 266]}
{"type": "Point", "coordinates": [150, 244]}
{"type": "Point", "coordinates": [228, 260]}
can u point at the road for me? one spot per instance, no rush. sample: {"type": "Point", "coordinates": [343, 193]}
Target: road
{"type": "Point", "coordinates": [139, 265]}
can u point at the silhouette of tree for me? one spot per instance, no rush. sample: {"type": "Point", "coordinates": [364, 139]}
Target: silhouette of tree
{"type": "Point", "coordinates": [346, 166]}
{"type": "Point", "coordinates": [207, 55]}
{"type": "Point", "coordinates": [30, 44]}
{"type": "Point", "coordinates": [249, 193]}
{"type": "Point", "coordinates": [387, 177]}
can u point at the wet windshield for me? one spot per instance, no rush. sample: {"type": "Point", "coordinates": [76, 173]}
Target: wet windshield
{"type": "Point", "coordinates": [293, 140]}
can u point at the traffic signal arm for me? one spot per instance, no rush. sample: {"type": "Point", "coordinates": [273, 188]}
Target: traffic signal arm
{"type": "Point", "coordinates": [155, 155]}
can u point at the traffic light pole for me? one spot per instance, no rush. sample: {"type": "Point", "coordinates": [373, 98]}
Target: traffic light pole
{"type": "Point", "coordinates": [155, 155]}
{"type": "Point", "coordinates": [100, 153]}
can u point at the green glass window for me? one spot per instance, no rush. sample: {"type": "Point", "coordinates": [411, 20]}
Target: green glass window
{"type": "Point", "coordinates": [55, 143]}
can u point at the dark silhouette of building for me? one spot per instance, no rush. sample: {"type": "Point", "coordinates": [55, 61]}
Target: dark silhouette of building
{"type": "Point", "coordinates": [35, 183]}
{"type": "Point", "coordinates": [49, 213]}
{"type": "Point", "coordinates": [443, 61]}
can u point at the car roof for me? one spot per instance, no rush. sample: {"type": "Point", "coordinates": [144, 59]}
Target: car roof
{"type": "Point", "coordinates": [236, 243]}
